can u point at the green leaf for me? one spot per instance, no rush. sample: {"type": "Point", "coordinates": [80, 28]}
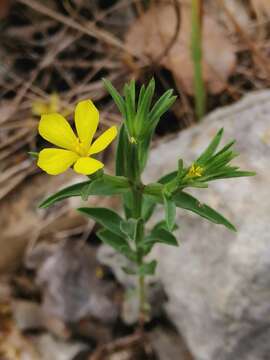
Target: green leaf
{"type": "Point", "coordinates": [162, 225]}
{"type": "Point", "coordinates": [85, 191]}
{"type": "Point", "coordinates": [168, 177]}
{"type": "Point", "coordinates": [104, 186]}
{"type": "Point", "coordinates": [147, 268]}
{"type": "Point", "coordinates": [120, 163]}
{"type": "Point", "coordinates": [165, 107]}
{"type": "Point", "coordinates": [180, 171]}
{"type": "Point", "coordinates": [148, 207]}
{"type": "Point", "coordinates": [129, 271]}
{"type": "Point", "coordinates": [144, 106]}
{"type": "Point", "coordinates": [143, 150]}
{"type": "Point", "coordinates": [141, 95]}
{"type": "Point", "coordinates": [211, 148]}
{"type": "Point", "coordinates": [144, 269]}
{"type": "Point", "coordinates": [108, 185]}
{"type": "Point", "coordinates": [73, 190]}
{"type": "Point", "coordinates": [115, 95]}
{"type": "Point", "coordinates": [170, 212]}
{"type": "Point", "coordinates": [188, 202]}
{"type": "Point", "coordinates": [108, 218]}
{"type": "Point", "coordinates": [159, 105]}
{"type": "Point", "coordinates": [133, 229]}
{"type": "Point", "coordinates": [227, 174]}
{"type": "Point", "coordinates": [160, 235]}
{"type": "Point", "coordinates": [128, 227]}
{"type": "Point", "coordinates": [132, 92]}
{"type": "Point", "coordinates": [225, 148]}
{"type": "Point", "coordinates": [33, 154]}
{"type": "Point", "coordinates": [154, 189]}
{"type": "Point", "coordinates": [127, 204]}
{"type": "Point", "coordinates": [117, 242]}
{"type": "Point", "coordinates": [130, 110]}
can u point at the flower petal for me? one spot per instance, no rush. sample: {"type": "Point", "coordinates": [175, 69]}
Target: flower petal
{"type": "Point", "coordinates": [87, 165]}
{"type": "Point", "coordinates": [55, 129]}
{"type": "Point", "coordinates": [56, 161]}
{"type": "Point", "coordinates": [86, 121]}
{"type": "Point", "coordinates": [103, 141]}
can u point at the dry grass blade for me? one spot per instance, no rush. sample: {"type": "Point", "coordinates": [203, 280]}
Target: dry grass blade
{"type": "Point", "coordinates": [90, 29]}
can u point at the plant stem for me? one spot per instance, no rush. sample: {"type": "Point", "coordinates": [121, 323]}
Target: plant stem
{"type": "Point", "coordinates": [196, 51]}
{"type": "Point", "coordinates": [137, 202]}
{"type": "Point", "coordinates": [137, 192]}
{"type": "Point", "coordinates": [141, 302]}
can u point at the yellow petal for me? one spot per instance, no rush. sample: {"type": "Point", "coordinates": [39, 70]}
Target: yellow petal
{"type": "Point", "coordinates": [87, 165]}
{"type": "Point", "coordinates": [54, 104]}
{"type": "Point", "coordinates": [55, 129]}
{"type": "Point", "coordinates": [86, 121]}
{"type": "Point", "coordinates": [56, 161]}
{"type": "Point", "coordinates": [103, 141]}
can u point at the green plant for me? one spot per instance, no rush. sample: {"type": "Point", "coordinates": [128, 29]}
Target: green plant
{"type": "Point", "coordinates": [127, 233]}
{"type": "Point", "coordinates": [197, 54]}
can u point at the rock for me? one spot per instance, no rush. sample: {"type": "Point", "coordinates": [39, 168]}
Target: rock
{"type": "Point", "coordinates": [22, 222]}
{"type": "Point", "coordinates": [168, 345]}
{"type": "Point", "coordinates": [71, 288]}
{"type": "Point", "coordinates": [50, 348]}
{"type": "Point", "coordinates": [27, 315]}
{"type": "Point", "coordinates": [218, 282]}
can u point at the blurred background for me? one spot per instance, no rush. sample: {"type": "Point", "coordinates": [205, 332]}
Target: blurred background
{"type": "Point", "coordinates": [62, 295]}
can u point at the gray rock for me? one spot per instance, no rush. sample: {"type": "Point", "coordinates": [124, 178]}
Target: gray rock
{"type": "Point", "coordinates": [71, 289]}
{"type": "Point", "coordinates": [50, 348]}
{"type": "Point", "coordinates": [218, 282]}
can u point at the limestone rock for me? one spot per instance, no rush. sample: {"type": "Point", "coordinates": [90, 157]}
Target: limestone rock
{"type": "Point", "coordinates": [218, 282]}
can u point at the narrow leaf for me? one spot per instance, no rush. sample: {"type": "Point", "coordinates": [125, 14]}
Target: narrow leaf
{"type": "Point", "coordinates": [108, 218]}
{"type": "Point", "coordinates": [117, 242]}
{"type": "Point", "coordinates": [115, 95]}
{"type": "Point", "coordinates": [109, 185]}
{"type": "Point", "coordinates": [33, 154]}
{"type": "Point", "coordinates": [120, 162]}
{"type": "Point", "coordinates": [73, 190]}
{"type": "Point", "coordinates": [170, 212]}
{"type": "Point", "coordinates": [211, 148]}
{"type": "Point", "coordinates": [160, 235]}
{"type": "Point", "coordinates": [148, 207]}
{"type": "Point", "coordinates": [147, 268]}
{"type": "Point", "coordinates": [188, 202]}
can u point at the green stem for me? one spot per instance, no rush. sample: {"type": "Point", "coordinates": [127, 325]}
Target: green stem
{"type": "Point", "coordinates": [196, 51]}
{"type": "Point", "coordinates": [141, 302]}
{"type": "Point", "coordinates": [135, 178]}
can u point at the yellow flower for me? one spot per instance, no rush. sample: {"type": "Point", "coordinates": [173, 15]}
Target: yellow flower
{"type": "Point", "coordinates": [75, 150]}
{"type": "Point", "coordinates": [195, 171]}
{"type": "Point", "coordinates": [52, 105]}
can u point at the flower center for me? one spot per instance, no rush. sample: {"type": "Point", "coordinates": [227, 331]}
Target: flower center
{"type": "Point", "coordinates": [195, 171]}
{"type": "Point", "coordinates": [80, 149]}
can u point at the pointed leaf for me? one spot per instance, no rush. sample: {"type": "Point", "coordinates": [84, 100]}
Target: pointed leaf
{"type": "Point", "coordinates": [170, 212]}
{"type": "Point", "coordinates": [120, 163]}
{"type": "Point", "coordinates": [108, 185]}
{"type": "Point", "coordinates": [106, 217]}
{"type": "Point", "coordinates": [115, 95]}
{"type": "Point", "coordinates": [188, 202]}
{"type": "Point", "coordinates": [117, 242]}
{"type": "Point", "coordinates": [147, 268]}
{"type": "Point", "coordinates": [148, 207]}
{"type": "Point", "coordinates": [211, 148]}
{"type": "Point", "coordinates": [70, 191]}
{"type": "Point", "coordinates": [160, 235]}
